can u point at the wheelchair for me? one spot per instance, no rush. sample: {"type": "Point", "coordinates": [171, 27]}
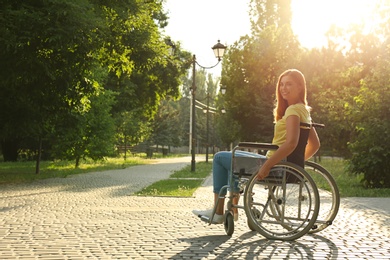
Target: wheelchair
{"type": "Point", "coordinates": [286, 204]}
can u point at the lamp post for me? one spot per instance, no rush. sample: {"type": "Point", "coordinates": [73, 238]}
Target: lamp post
{"type": "Point", "coordinates": [219, 50]}
{"type": "Point", "coordinates": [206, 111]}
{"type": "Point", "coordinates": [223, 91]}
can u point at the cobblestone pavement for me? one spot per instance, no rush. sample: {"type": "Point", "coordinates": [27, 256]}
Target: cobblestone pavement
{"type": "Point", "coordinates": [95, 216]}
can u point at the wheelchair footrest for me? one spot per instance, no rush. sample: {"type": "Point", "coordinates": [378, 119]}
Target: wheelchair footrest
{"type": "Point", "coordinates": [207, 220]}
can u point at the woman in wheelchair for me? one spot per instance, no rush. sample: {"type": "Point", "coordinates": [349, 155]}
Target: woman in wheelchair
{"type": "Point", "coordinates": [290, 112]}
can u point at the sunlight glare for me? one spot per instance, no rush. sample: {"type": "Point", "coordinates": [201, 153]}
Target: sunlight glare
{"type": "Point", "coordinates": [312, 18]}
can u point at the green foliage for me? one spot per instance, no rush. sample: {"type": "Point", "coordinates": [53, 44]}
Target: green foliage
{"type": "Point", "coordinates": [133, 128]}
{"type": "Point", "coordinates": [62, 60]}
{"type": "Point", "coordinates": [45, 67]}
{"type": "Point", "coordinates": [370, 147]}
{"type": "Point", "coordinates": [87, 133]}
{"type": "Point", "coordinates": [265, 13]}
{"type": "Point", "coordinates": [250, 73]}
{"type": "Point", "coordinates": [166, 127]}
{"type": "Point", "coordinates": [355, 114]}
{"type": "Point", "coordinates": [350, 185]}
{"type": "Point", "coordinates": [57, 55]}
{"type": "Point", "coordinates": [331, 83]}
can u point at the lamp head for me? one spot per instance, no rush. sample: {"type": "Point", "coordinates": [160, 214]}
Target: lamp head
{"type": "Point", "coordinates": [172, 46]}
{"type": "Point", "coordinates": [223, 89]}
{"type": "Point", "coordinates": [219, 50]}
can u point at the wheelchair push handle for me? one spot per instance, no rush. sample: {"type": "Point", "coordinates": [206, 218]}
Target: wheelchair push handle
{"type": "Point", "coordinates": [267, 146]}
{"type": "Point", "coordinates": [253, 145]}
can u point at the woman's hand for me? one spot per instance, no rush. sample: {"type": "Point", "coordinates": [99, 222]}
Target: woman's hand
{"type": "Point", "coordinates": [263, 172]}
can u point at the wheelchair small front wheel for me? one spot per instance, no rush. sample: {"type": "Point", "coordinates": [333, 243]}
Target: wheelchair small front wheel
{"type": "Point", "coordinates": [229, 223]}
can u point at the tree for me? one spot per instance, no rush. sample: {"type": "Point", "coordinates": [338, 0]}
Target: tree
{"type": "Point", "coordinates": [58, 54]}
{"type": "Point", "coordinates": [252, 65]}
{"type": "Point", "coordinates": [370, 114]}
{"type": "Point", "coordinates": [347, 85]}
{"type": "Point", "coordinates": [370, 109]}
{"type": "Point", "coordinates": [91, 132]}
{"type": "Point", "coordinates": [166, 127]}
{"type": "Point", "coordinates": [330, 85]}
{"type": "Point", "coordinates": [45, 65]}
{"type": "Point", "coordinates": [334, 77]}
{"type": "Point", "coordinates": [205, 95]}
{"type": "Point", "coordinates": [265, 13]}
{"type": "Point", "coordinates": [370, 153]}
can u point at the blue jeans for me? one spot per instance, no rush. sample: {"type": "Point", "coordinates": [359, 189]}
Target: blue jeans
{"type": "Point", "coordinates": [222, 164]}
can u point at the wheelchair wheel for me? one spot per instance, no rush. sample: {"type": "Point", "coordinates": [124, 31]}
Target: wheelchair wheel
{"type": "Point", "coordinates": [229, 223]}
{"type": "Point", "coordinates": [251, 225]}
{"type": "Point", "coordinates": [329, 195]}
{"type": "Point", "coordinates": [283, 206]}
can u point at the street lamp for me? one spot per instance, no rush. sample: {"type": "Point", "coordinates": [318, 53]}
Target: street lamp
{"type": "Point", "coordinates": [223, 89]}
{"type": "Point", "coordinates": [219, 50]}
{"type": "Point", "coordinates": [172, 46]}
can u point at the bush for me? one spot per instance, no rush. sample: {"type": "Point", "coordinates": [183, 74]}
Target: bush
{"type": "Point", "coordinates": [371, 155]}
{"type": "Point", "coordinates": [370, 112]}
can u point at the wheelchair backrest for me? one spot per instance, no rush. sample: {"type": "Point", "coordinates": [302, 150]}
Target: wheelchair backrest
{"type": "Point", "coordinates": [298, 155]}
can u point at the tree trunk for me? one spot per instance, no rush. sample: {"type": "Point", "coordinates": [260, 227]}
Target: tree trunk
{"type": "Point", "coordinates": [125, 147]}
{"type": "Point", "coordinates": [77, 162]}
{"type": "Point", "coordinates": [37, 166]}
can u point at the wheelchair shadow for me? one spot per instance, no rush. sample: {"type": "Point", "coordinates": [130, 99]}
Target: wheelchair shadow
{"type": "Point", "coordinates": [252, 246]}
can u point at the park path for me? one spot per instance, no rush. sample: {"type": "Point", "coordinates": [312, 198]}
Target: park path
{"type": "Point", "coordinates": [95, 216]}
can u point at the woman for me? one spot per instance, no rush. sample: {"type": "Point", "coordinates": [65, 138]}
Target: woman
{"type": "Point", "coordinates": [291, 110]}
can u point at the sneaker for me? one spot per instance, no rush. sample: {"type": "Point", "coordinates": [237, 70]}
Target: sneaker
{"type": "Point", "coordinates": [218, 219]}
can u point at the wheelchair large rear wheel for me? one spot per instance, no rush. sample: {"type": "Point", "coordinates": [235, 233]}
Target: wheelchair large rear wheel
{"type": "Point", "coordinates": [329, 195]}
{"type": "Point", "coordinates": [283, 206]}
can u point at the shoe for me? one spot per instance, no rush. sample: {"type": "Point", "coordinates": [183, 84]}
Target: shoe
{"type": "Point", "coordinates": [218, 219]}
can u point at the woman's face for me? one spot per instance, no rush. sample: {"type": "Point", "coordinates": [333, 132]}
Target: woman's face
{"type": "Point", "coordinates": [289, 90]}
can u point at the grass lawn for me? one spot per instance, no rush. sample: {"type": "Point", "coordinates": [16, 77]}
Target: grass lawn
{"type": "Point", "coordinates": [350, 184]}
{"type": "Point", "coordinates": [181, 183]}
{"type": "Point", "coordinates": [21, 172]}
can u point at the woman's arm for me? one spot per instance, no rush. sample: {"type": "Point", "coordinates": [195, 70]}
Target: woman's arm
{"type": "Point", "coordinates": [313, 144]}
{"type": "Point", "coordinates": [292, 138]}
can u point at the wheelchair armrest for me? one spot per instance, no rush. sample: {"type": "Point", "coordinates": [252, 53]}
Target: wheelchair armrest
{"type": "Point", "coordinates": [252, 145]}
{"type": "Point", "coordinates": [316, 125]}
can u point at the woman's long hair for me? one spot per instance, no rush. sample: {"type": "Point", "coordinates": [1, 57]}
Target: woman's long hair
{"type": "Point", "coordinates": [281, 104]}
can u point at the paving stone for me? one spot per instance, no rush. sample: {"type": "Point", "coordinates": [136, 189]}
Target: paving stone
{"type": "Point", "coordinates": [94, 216]}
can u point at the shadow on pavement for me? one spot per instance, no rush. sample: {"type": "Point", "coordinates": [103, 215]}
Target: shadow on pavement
{"type": "Point", "coordinates": [250, 246]}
